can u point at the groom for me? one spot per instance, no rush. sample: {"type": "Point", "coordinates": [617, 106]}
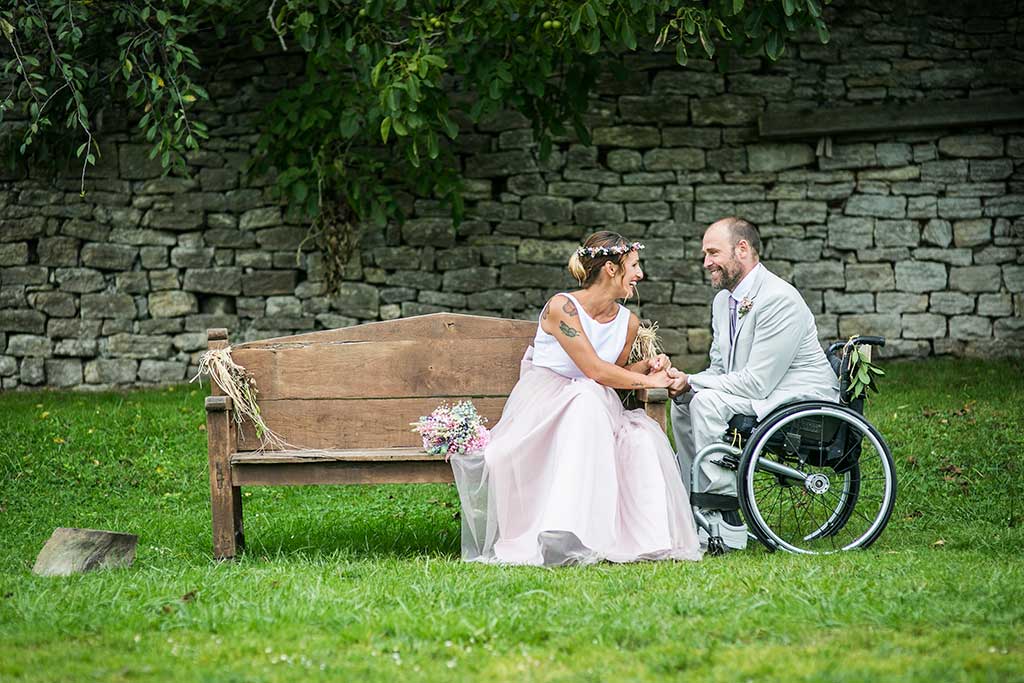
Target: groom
{"type": "Point", "coordinates": [764, 352]}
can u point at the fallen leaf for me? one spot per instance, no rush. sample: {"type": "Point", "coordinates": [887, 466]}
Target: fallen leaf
{"type": "Point", "coordinates": [939, 543]}
{"type": "Point", "coordinates": [202, 428]}
{"type": "Point", "coordinates": [188, 597]}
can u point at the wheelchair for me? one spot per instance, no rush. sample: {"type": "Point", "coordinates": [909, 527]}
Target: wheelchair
{"type": "Point", "coordinates": [812, 477]}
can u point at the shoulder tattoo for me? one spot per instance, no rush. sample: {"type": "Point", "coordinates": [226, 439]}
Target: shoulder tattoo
{"type": "Point", "coordinates": [570, 308]}
{"type": "Point", "coordinates": [568, 331]}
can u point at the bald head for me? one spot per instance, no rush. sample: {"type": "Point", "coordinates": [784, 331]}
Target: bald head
{"type": "Point", "coordinates": [736, 229]}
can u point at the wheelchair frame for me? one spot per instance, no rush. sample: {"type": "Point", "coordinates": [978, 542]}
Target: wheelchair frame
{"type": "Point", "coordinates": [844, 416]}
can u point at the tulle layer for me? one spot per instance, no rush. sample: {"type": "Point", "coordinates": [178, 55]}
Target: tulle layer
{"type": "Point", "coordinates": [571, 477]}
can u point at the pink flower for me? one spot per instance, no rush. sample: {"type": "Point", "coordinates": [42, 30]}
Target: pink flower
{"type": "Point", "coordinates": [744, 307]}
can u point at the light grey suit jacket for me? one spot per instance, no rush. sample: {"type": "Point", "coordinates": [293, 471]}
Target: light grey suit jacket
{"type": "Point", "coordinates": [777, 358]}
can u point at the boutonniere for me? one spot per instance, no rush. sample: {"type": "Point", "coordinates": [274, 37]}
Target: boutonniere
{"type": "Point", "coordinates": [744, 307]}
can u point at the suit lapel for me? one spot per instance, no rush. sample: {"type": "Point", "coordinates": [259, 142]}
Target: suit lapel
{"type": "Point", "coordinates": [755, 289]}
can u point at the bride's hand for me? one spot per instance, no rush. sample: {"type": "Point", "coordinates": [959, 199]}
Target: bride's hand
{"type": "Point", "coordinates": [658, 363]}
{"type": "Point", "coordinates": [660, 379]}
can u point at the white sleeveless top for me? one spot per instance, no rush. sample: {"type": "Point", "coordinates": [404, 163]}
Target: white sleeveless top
{"type": "Point", "coordinates": [608, 339]}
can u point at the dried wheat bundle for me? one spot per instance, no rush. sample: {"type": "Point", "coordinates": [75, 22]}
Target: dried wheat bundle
{"type": "Point", "coordinates": [646, 345]}
{"type": "Point", "coordinates": [239, 385]}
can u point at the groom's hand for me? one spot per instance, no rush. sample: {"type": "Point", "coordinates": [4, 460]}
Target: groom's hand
{"type": "Point", "coordinates": [680, 382]}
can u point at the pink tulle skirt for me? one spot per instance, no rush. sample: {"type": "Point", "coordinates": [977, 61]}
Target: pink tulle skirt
{"type": "Point", "coordinates": [571, 477]}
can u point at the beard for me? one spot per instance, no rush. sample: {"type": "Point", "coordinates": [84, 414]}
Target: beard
{"type": "Point", "coordinates": [728, 275]}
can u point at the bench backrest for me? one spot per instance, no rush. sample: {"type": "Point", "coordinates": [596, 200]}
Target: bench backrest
{"type": "Point", "coordinates": [361, 386]}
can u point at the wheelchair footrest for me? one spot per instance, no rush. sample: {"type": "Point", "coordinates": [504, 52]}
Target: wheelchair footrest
{"type": "Point", "coordinates": [728, 461]}
{"type": "Point", "coordinates": [715, 501]}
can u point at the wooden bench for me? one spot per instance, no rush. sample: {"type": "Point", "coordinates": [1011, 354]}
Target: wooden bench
{"type": "Point", "coordinates": [346, 398]}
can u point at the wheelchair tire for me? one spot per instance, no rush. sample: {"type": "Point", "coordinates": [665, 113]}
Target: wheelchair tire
{"type": "Point", "coordinates": [848, 491]}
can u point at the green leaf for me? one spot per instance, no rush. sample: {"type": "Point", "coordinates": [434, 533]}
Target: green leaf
{"type": "Point", "coordinates": [299, 191]}
{"type": "Point", "coordinates": [737, 6]}
{"type": "Point", "coordinates": [681, 56]}
{"type": "Point", "coordinates": [788, 6]}
{"type": "Point", "coordinates": [628, 37]}
{"type": "Point", "coordinates": [385, 128]}
{"type": "Point", "coordinates": [163, 17]}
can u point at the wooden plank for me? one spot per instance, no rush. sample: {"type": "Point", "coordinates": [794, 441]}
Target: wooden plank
{"type": "Point", "coordinates": [432, 326]}
{"type": "Point", "coordinates": [878, 118]}
{"type": "Point", "coordinates": [303, 474]}
{"type": "Point", "coordinates": [348, 424]}
{"type": "Point", "coordinates": [381, 369]}
{"type": "Point", "coordinates": [414, 454]}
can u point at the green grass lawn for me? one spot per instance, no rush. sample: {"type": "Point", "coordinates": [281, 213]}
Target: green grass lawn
{"type": "Point", "coordinates": [353, 583]}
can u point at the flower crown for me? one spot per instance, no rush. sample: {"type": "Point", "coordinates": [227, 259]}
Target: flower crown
{"type": "Point", "coordinates": [593, 252]}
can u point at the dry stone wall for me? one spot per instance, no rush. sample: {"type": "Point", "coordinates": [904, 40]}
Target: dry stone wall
{"type": "Point", "coordinates": [918, 236]}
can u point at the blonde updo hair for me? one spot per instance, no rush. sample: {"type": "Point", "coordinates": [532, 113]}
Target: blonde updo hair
{"type": "Point", "coordinates": [586, 268]}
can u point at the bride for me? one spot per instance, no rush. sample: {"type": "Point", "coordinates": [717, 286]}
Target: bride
{"type": "Point", "coordinates": [570, 476]}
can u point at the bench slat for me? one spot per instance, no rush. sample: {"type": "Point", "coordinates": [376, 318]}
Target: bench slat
{"type": "Point", "coordinates": [341, 472]}
{"type": "Point", "coordinates": [352, 454]}
{"type": "Point", "coordinates": [352, 424]}
{"type": "Point", "coordinates": [420, 368]}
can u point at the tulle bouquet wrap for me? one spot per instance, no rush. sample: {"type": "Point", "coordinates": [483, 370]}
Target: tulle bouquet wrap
{"type": "Point", "coordinates": [453, 430]}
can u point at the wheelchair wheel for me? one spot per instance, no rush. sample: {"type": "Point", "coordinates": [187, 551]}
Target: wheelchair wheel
{"type": "Point", "coordinates": [816, 478]}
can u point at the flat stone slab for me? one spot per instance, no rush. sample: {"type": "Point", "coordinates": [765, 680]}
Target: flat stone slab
{"type": "Point", "coordinates": [76, 551]}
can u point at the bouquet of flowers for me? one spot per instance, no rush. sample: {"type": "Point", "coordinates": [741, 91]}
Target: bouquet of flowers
{"type": "Point", "coordinates": [453, 430]}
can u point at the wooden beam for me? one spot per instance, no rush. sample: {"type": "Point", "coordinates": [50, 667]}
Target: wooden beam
{"type": "Point", "coordinates": [341, 472]}
{"type": "Point", "coordinates": [815, 123]}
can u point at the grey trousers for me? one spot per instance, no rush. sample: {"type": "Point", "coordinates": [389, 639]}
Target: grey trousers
{"type": "Point", "coordinates": [700, 419]}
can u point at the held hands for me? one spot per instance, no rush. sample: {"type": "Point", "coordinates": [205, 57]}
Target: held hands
{"type": "Point", "coordinates": [680, 383]}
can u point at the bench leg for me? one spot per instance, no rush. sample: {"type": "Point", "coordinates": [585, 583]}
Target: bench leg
{"type": "Point", "coordinates": [225, 499]}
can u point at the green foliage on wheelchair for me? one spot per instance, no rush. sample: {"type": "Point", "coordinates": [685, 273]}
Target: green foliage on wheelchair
{"type": "Point", "coordinates": [863, 373]}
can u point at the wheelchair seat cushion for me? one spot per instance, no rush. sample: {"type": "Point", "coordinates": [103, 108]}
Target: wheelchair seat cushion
{"type": "Point", "coordinates": [743, 424]}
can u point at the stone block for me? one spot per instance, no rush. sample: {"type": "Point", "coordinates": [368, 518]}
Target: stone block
{"type": "Point", "coordinates": [268, 282]}
{"type": "Point", "coordinates": [860, 155]}
{"type": "Point", "coordinates": [32, 345]}
{"type": "Point", "coordinates": [989, 255]}
{"type": "Point", "coordinates": [172, 304]}
{"type": "Point", "coordinates": [887, 325]}
{"type": "Point", "coordinates": [528, 183]}
{"type": "Point", "coordinates": [890, 233]}
{"type": "Point", "coordinates": [705, 138]}
{"type": "Point", "coordinates": [673, 270]}
{"type": "Point", "coordinates": [545, 251]}
{"type": "Point", "coordinates": [938, 232]}
{"type": "Point", "coordinates": [958, 207]}
{"type": "Point", "coordinates": [971, 145]}
{"type": "Point", "coordinates": [264, 217]}
{"type": "Point", "coordinates": [599, 213]}
{"type": "Point", "coordinates": [192, 257]}
{"type": "Point", "coordinates": [26, 320]}
{"type": "Point", "coordinates": [924, 326]}
{"type": "Point", "coordinates": [794, 249]}
{"type": "Point", "coordinates": [163, 279]}
{"type": "Point", "coordinates": [800, 212]}
{"type": "Point", "coordinates": [674, 159]}
{"type": "Point", "coordinates": [633, 193]}
{"type": "Point", "coordinates": [687, 82]}
{"type": "Point", "coordinates": [283, 306]}
{"type": "Point", "coordinates": [33, 371]}
{"type": "Point", "coordinates": [869, 277]}
{"type": "Point", "coordinates": [139, 346]}
{"type": "Point", "coordinates": [497, 300]}
{"type": "Point", "coordinates": [76, 328]}
{"type": "Point", "coordinates": [436, 232]}
{"type": "Point", "coordinates": [846, 232]}
{"type": "Point", "coordinates": [357, 300]}
{"type": "Point", "coordinates": [632, 137]}
{"type": "Point", "coordinates": [475, 279]}
{"type": "Point", "coordinates": [58, 251]}
{"type": "Point", "coordinates": [286, 238]}
{"type": "Point", "coordinates": [661, 109]}
{"type": "Point", "coordinates": [134, 163]}
{"type": "Point", "coordinates": [84, 348]}
{"type": "Point", "coordinates": [132, 282]}
{"type": "Point", "coordinates": [982, 170]}
{"type": "Point", "coordinates": [108, 305]}
{"type": "Point", "coordinates": [519, 275]}
{"type": "Point", "coordinates": [1014, 278]}
{"type": "Point", "coordinates": [955, 257]}
{"type": "Point", "coordinates": [176, 221]}
{"type": "Point", "coordinates": [972, 233]}
{"type": "Point", "coordinates": [821, 275]}
{"type": "Point", "coordinates": [946, 171]}
{"type": "Point", "coordinates": [727, 110]}
{"type": "Point", "coordinates": [624, 160]}
{"type": "Point", "coordinates": [838, 302]}
{"type": "Point", "coordinates": [951, 303]}
{"type": "Point", "coordinates": [876, 205]}
{"type": "Point", "coordinates": [112, 371]}
{"type": "Point", "coordinates": [8, 366]}
{"type": "Point", "coordinates": [162, 371]}
{"type": "Point", "coordinates": [56, 304]}
{"type": "Point", "coordinates": [648, 211]}
{"type": "Point", "coordinates": [1009, 206]}
{"type": "Point", "coordinates": [891, 154]}
{"type": "Point", "coordinates": [997, 305]}
{"type": "Point", "coordinates": [674, 315]}
{"type": "Point", "coordinates": [497, 164]}
{"type": "Point", "coordinates": [227, 281]}
{"type": "Point", "coordinates": [779, 156]}
{"type": "Point", "coordinates": [922, 207]}
{"type": "Point", "coordinates": [16, 254]}
{"type": "Point", "coordinates": [920, 276]}
{"type": "Point", "coordinates": [975, 279]}
{"type": "Point", "coordinates": [969, 327]}
{"type": "Point", "coordinates": [63, 372]}
{"type": "Point", "coordinates": [547, 209]}
{"type": "Point", "coordinates": [902, 302]}
{"type": "Point", "coordinates": [28, 228]}
{"type": "Point", "coordinates": [24, 275]}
